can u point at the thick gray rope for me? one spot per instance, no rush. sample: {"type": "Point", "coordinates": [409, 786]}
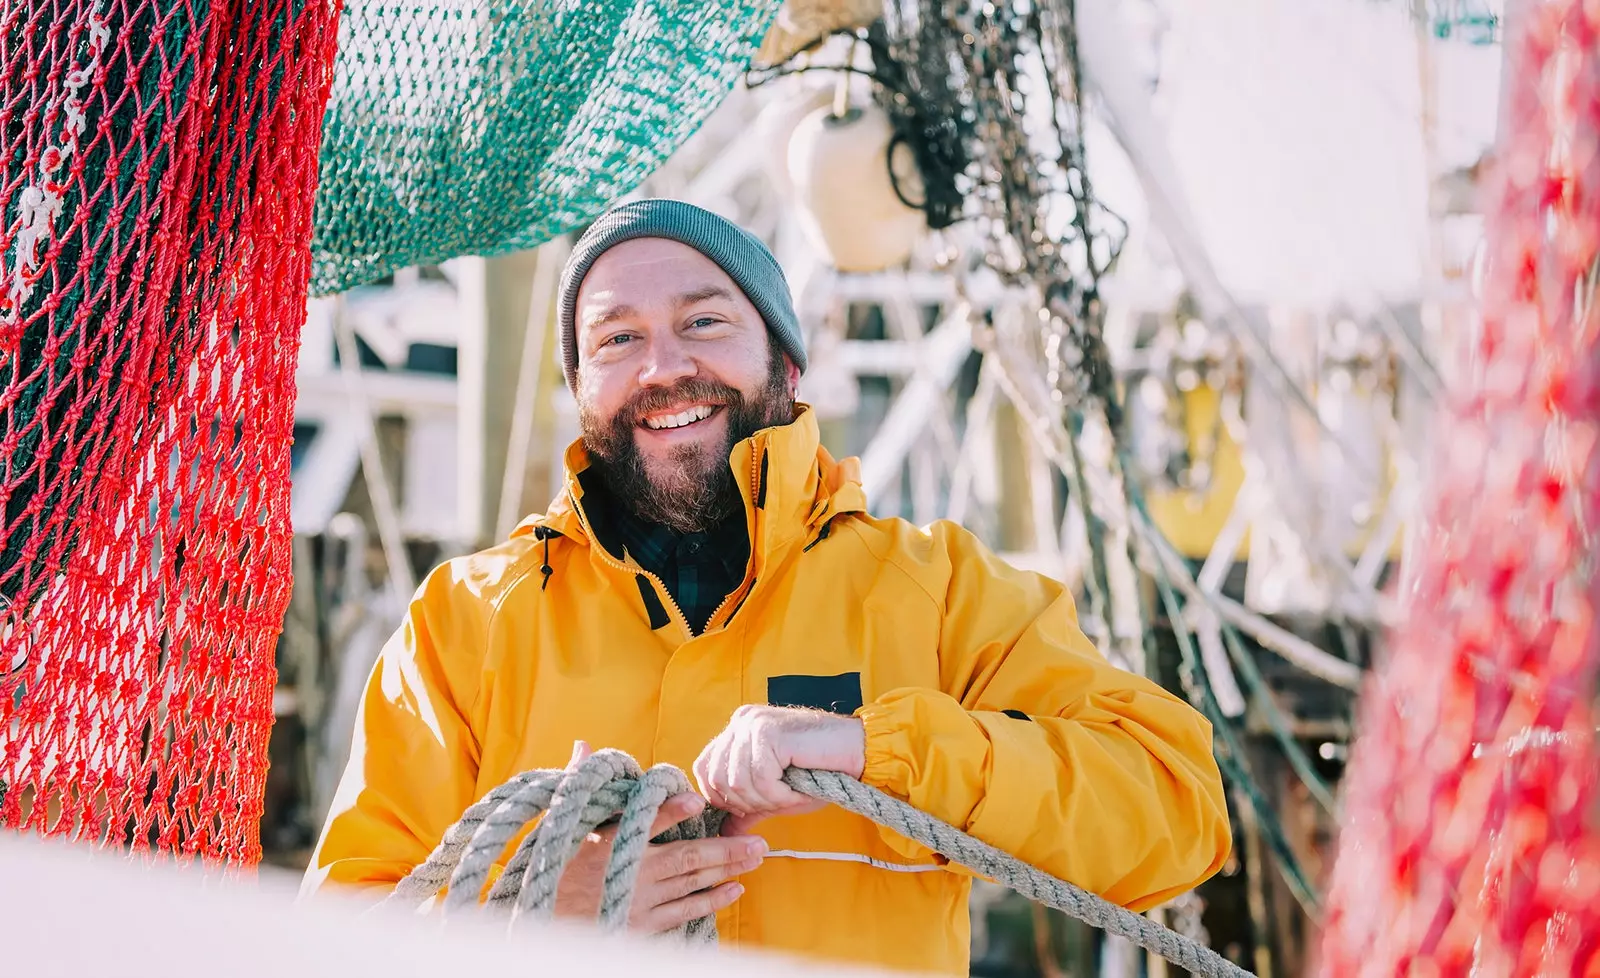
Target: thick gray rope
{"type": "Point", "coordinates": [610, 785]}
{"type": "Point", "coordinates": [987, 861]}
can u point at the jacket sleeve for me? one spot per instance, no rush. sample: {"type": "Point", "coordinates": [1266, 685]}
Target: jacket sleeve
{"type": "Point", "coordinates": [1040, 747]}
{"type": "Point", "coordinates": [413, 759]}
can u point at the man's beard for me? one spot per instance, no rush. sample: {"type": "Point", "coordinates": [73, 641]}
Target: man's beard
{"type": "Point", "coordinates": [696, 489]}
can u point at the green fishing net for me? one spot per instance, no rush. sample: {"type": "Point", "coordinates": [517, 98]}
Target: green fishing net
{"type": "Point", "coordinates": [476, 127]}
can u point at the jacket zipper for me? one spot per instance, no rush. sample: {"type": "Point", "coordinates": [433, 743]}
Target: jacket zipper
{"type": "Point", "coordinates": [661, 587]}
{"type": "Point", "coordinates": [755, 475]}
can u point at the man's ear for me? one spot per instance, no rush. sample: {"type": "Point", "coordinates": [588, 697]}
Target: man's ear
{"type": "Point", "coordinates": [792, 372]}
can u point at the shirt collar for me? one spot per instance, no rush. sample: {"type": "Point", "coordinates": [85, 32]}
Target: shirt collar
{"type": "Point", "coordinates": [652, 545]}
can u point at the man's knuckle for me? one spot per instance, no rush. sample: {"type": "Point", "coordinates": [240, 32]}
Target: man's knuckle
{"type": "Point", "coordinates": [693, 859]}
{"type": "Point", "coordinates": [700, 904]}
{"type": "Point", "coordinates": [689, 861]}
{"type": "Point", "coordinates": [666, 861]}
{"type": "Point", "coordinates": [671, 889]}
{"type": "Point", "coordinates": [679, 912]}
{"type": "Point", "coordinates": [681, 887]}
{"type": "Point", "coordinates": [711, 853]}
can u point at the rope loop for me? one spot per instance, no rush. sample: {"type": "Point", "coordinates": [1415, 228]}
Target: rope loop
{"type": "Point", "coordinates": [567, 805]}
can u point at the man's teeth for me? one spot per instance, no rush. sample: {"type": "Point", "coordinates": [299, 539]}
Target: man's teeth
{"type": "Point", "coordinates": [681, 418]}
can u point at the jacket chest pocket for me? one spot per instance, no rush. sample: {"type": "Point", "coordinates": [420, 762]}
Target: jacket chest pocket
{"type": "Point", "coordinates": [851, 655]}
{"type": "Point", "coordinates": [839, 694]}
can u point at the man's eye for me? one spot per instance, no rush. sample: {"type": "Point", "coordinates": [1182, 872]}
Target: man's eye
{"type": "Point", "coordinates": [703, 321]}
{"type": "Point", "coordinates": [617, 340]}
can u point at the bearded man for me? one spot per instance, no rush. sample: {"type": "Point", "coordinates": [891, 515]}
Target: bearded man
{"type": "Point", "coordinates": [708, 590]}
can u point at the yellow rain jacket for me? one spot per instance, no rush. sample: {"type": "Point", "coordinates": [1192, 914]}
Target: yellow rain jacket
{"type": "Point", "coordinates": [983, 704]}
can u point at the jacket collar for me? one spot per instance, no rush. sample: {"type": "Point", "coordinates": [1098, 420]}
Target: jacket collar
{"type": "Point", "coordinates": [791, 487]}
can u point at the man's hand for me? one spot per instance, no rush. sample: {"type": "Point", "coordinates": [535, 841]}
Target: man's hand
{"type": "Point", "coordinates": [741, 771]}
{"type": "Point", "coordinates": [678, 881]}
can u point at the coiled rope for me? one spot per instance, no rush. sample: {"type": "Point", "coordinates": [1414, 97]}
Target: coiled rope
{"type": "Point", "coordinates": [611, 785]}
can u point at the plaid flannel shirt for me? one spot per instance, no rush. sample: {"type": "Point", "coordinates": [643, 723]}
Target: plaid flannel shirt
{"type": "Point", "coordinates": [698, 569]}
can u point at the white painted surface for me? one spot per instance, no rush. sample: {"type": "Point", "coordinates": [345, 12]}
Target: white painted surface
{"type": "Point", "coordinates": [73, 912]}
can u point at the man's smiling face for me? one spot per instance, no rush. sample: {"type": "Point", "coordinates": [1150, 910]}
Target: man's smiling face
{"type": "Point", "coordinates": [675, 365]}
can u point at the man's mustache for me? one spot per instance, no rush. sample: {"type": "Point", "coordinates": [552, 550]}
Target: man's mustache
{"type": "Point", "coordinates": [653, 399]}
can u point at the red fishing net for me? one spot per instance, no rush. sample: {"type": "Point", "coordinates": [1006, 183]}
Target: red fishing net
{"type": "Point", "coordinates": [158, 160]}
{"type": "Point", "coordinates": [1470, 844]}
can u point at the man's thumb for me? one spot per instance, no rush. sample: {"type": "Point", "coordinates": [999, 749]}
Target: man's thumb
{"type": "Point", "coordinates": [580, 753]}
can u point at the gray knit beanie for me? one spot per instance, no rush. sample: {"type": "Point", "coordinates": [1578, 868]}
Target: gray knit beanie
{"type": "Point", "coordinates": [739, 253]}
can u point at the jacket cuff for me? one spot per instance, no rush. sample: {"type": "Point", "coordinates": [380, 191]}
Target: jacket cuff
{"type": "Point", "coordinates": [887, 746]}
{"type": "Point", "coordinates": [898, 727]}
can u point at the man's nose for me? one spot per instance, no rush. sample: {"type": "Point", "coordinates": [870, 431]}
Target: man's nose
{"type": "Point", "coordinates": [666, 363]}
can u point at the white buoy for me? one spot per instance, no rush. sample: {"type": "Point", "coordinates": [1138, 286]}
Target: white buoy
{"type": "Point", "coordinates": [840, 171]}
